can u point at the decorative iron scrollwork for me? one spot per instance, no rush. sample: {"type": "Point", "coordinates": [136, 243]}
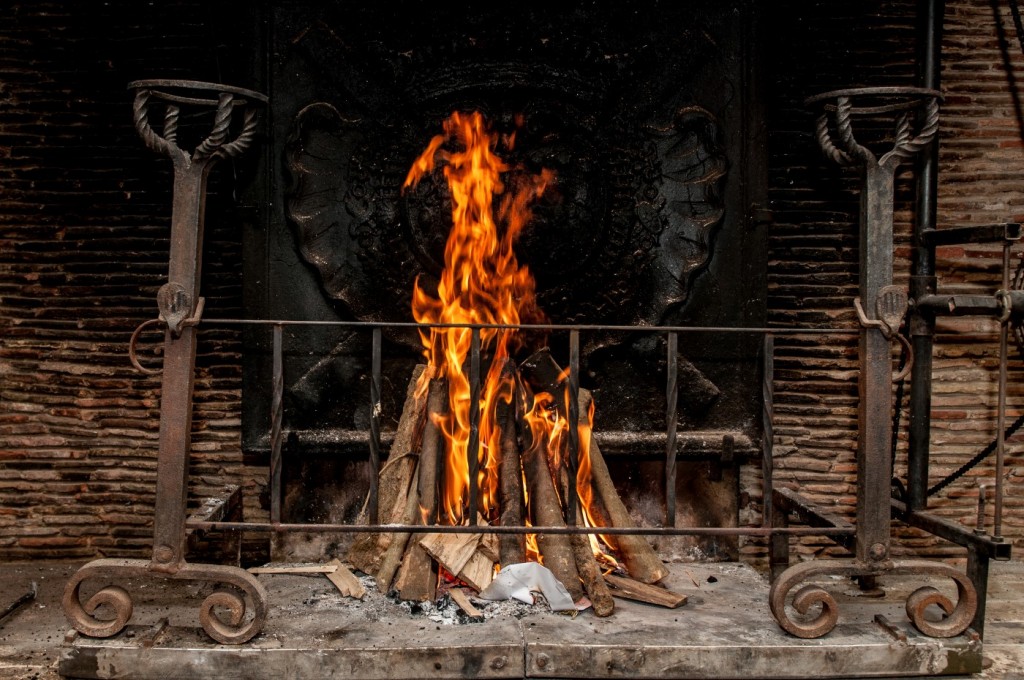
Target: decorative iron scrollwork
{"type": "Point", "coordinates": [237, 627]}
{"type": "Point", "coordinates": [175, 92]}
{"type": "Point", "coordinates": [818, 611]}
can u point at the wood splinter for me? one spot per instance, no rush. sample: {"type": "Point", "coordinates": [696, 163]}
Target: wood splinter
{"type": "Point", "coordinates": [630, 589]}
{"type": "Point", "coordinates": [461, 600]}
{"type": "Point", "coordinates": [345, 581]}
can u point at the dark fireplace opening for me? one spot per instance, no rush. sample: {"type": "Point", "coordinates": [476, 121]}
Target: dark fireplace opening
{"type": "Point", "coordinates": [652, 130]}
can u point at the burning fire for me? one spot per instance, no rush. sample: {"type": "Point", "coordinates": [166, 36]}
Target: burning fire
{"type": "Point", "coordinates": [482, 283]}
{"type": "Point", "coordinates": [549, 428]}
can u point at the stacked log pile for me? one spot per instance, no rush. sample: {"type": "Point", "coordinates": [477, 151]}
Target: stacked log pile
{"type": "Point", "coordinates": [533, 490]}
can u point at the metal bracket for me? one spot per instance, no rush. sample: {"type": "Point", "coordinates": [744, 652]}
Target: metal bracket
{"type": "Point", "coordinates": [180, 323]}
{"type": "Point", "coordinates": [175, 305]}
{"type": "Point", "coordinates": [891, 307]}
{"type": "Point", "coordinates": [1005, 305]}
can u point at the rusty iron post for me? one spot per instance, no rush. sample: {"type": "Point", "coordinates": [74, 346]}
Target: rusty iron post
{"type": "Point", "coordinates": [922, 275]}
{"type": "Point", "coordinates": [180, 310]}
{"type": "Point", "coordinates": [178, 300]}
{"type": "Point", "coordinates": [880, 305]}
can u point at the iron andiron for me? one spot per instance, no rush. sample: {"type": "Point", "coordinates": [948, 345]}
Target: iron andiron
{"type": "Point", "coordinates": [881, 308]}
{"type": "Point", "coordinates": [180, 306]}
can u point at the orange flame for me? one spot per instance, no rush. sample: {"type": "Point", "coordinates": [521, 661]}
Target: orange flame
{"type": "Point", "coordinates": [598, 544]}
{"type": "Point", "coordinates": [482, 283]}
{"type": "Point", "coordinates": [549, 429]}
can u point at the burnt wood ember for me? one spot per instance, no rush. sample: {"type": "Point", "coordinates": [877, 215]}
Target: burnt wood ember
{"type": "Point", "coordinates": [394, 480]}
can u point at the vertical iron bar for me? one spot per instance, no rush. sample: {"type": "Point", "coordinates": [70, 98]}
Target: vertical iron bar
{"type": "Point", "coordinates": [922, 339]}
{"type": "Point", "coordinates": [979, 526]}
{"type": "Point", "coordinates": [178, 377]}
{"type": "Point", "coordinates": [672, 425]}
{"type": "Point", "coordinates": [977, 571]}
{"type": "Point", "coordinates": [276, 416]}
{"type": "Point", "coordinates": [768, 431]}
{"type": "Point", "coordinates": [574, 422]}
{"type": "Point", "coordinates": [473, 450]}
{"type": "Point", "coordinates": [374, 423]}
{"type": "Point", "coordinates": [1004, 330]}
{"type": "Point", "coordinates": [778, 545]}
{"type": "Point", "coordinates": [874, 443]}
{"type": "Point", "coordinates": [922, 279]}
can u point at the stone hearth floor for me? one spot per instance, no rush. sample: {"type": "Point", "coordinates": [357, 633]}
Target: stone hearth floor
{"type": "Point", "coordinates": [311, 632]}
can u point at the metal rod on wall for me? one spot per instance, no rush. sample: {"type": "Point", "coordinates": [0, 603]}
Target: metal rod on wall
{"type": "Point", "coordinates": [375, 361]}
{"type": "Point", "coordinates": [1004, 331]}
{"type": "Point", "coordinates": [672, 425]}
{"type": "Point", "coordinates": [922, 279]}
{"type": "Point", "coordinates": [276, 417]}
{"type": "Point", "coordinates": [473, 448]}
{"type": "Point", "coordinates": [768, 431]}
{"type": "Point", "coordinates": [574, 422]}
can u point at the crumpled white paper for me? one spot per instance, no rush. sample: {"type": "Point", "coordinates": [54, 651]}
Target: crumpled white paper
{"type": "Point", "coordinates": [520, 581]}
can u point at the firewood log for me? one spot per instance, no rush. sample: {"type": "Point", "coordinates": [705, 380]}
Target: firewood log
{"type": "Point", "coordinates": [393, 556]}
{"type": "Point", "coordinates": [417, 580]}
{"type": "Point", "coordinates": [478, 572]}
{"type": "Point", "coordinates": [368, 549]}
{"type": "Point", "coordinates": [409, 432]}
{"type": "Point", "coordinates": [512, 547]}
{"type": "Point", "coordinates": [432, 451]}
{"type": "Point", "coordinates": [590, 573]}
{"type": "Point", "coordinates": [556, 550]}
{"type": "Point", "coordinates": [641, 592]}
{"type": "Point", "coordinates": [641, 561]}
{"type": "Point", "coordinates": [417, 577]}
{"type": "Point", "coordinates": [452, 551]}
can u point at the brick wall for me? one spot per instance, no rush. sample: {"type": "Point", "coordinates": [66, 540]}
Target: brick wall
{"type": "Point", "coordinates": [84, 216]}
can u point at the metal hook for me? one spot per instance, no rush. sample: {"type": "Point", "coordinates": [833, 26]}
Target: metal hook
{"type": "Point", "coordinates": [891, 305]}
{"type": "Point", "coordinates": [132, 356]}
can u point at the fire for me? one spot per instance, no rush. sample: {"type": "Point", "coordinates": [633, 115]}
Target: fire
{"type": "Point", "coordinates": [549, 429]}
{"type": "Point", "coordinates": [585, 490]}
{"type": "Point", "coordinates": [482, 283]}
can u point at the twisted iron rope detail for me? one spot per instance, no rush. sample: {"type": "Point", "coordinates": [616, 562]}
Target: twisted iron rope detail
{"type": "Point", "coordinates": [225, 105]}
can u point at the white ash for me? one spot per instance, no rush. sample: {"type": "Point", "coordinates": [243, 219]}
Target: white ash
{"type": "Point", "coordinates": [446, 612]}
{"type": "Point", "coordinates": [320, 595]}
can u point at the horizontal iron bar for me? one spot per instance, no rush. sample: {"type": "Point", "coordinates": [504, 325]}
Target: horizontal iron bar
{"type": "Point", "coordinates": [536, 327]}
{"type": "Point", "coordinates": [699, 444]}
{"type": "Point", "coordinates": [792, 501]}
{"type": "Point", "coordinates": [984, 233]}
{"type": "Point", "coordinates": [952, 532]}
{"type": "Point", "coordinates": [269, 527]}
{"type": "Point", "coordinates": [691, 444]}
{"type": "Point", "coordinates": [812, 514]}
{"type": "Point", "coordinates": [969, 305]}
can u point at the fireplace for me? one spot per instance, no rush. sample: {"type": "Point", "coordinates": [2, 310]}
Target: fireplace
{"type": "Point", "coordinates": [649, 262]}
{"type": "Point", "coordinates": [654, 219]}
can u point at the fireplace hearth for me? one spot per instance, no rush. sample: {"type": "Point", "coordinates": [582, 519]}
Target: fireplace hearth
{"type": "Point", "coordinates": [648, 255]}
